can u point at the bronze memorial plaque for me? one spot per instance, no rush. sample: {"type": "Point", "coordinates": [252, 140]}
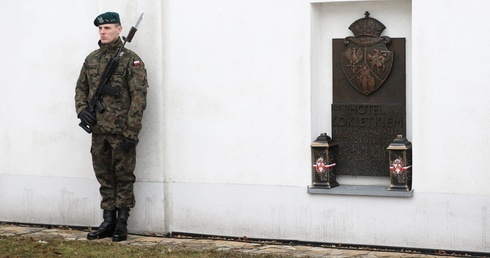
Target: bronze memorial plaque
{"type": "Point", "coordinates": [368, 109]}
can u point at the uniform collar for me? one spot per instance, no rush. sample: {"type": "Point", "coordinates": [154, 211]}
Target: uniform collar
{"type": "Point", "coordinates": [111, 47]}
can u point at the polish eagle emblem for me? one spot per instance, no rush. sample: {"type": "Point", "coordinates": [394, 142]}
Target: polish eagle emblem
{"type": "Point", "coordinates": [354, 56]}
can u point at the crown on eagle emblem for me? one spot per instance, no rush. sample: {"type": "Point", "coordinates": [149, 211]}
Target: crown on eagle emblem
{"type": "Point", "coordinates": [100, 19]}
{"type": "Point", "coordinates": [367, 26]}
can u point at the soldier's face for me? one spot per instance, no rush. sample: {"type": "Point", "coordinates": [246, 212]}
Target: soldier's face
{"type": "Point", "coordinates": [109, 33]}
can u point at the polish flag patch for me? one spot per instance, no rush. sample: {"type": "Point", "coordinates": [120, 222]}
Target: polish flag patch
{"type": "Point", "coordinates": [136, 63]}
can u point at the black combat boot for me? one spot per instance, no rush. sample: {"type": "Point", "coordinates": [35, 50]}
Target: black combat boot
{"type": "Point", "coordinates": [121, 231]}
{"type": "Point", "coordinates": [106, 229]}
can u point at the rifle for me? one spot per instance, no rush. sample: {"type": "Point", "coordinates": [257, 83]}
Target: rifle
{"type": "Point", "coordinates": [104, 87]}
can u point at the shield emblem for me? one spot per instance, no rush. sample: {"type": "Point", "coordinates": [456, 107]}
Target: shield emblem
{"type": "Point", "coordinates": [366, 67]}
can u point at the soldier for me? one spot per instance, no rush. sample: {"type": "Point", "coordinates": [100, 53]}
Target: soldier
{"type": "Point", "coordinates": [114, 131]}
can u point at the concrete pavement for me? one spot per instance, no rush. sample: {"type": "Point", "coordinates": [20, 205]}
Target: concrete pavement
{"type": "Point", "coordinates": [251, 247]}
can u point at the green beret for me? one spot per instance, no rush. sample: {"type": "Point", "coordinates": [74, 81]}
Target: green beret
{"type": "Point", "coordinates": [106, 18]}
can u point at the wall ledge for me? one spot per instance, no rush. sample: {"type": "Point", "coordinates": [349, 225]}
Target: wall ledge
{"type": "Point", "coordinates": [360, 190]}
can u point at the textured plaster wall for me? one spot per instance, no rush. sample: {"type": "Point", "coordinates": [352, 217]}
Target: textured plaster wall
{"type": "Point", "coordinates": [238, 90]}
{"type": "Point", "coordinates": [46, 173]}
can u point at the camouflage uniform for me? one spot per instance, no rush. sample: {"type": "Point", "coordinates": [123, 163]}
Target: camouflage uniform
{"type": "Point", "coordinates": [122, 119]}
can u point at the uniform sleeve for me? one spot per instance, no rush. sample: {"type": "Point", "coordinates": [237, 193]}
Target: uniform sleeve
{"type": "Point", "coordinates": [82, 90]}
{"type": "Point", "coordinates": [138, 85]}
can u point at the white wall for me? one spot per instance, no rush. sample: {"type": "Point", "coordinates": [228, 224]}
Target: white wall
{"type": "Point", "coordinates": [246, 165]}
{"type": "Point", "coordinates": [46, 174]}
{"type": "Point", "coordinates": [237, 91]}
{"type": "Point", "coordinates": [451, 109]}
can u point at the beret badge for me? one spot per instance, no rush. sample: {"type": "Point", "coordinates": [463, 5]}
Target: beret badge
{"type": "Point", "coordinates": [107, 18]}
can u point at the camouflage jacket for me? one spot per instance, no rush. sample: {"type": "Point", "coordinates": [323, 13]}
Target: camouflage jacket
{"type": "Point", "coordinates": [123, 113]}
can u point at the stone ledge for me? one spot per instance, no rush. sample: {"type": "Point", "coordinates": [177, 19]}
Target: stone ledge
{"type": "Point", "coordinates": [360, 190]}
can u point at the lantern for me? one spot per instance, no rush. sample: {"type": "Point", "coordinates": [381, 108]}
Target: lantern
{"type": "Point", "coordinates": [400, 162]}
{"type": "Point", "coordinates": [323, 153]}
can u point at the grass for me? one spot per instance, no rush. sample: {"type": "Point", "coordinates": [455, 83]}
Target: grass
{"type": "Point", "coordinates": [28, 247]}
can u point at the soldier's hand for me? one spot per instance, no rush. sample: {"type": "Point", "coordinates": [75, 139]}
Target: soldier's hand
{"type": "Point", "coordinates": [86, 117]}
{"type": "Point", "coordinates": [128, 144]}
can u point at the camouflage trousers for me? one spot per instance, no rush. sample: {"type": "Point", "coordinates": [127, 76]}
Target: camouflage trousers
{"type": "Point", "coordinates": [114, 170]}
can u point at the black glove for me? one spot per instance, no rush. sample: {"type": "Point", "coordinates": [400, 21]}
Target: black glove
{"type": "Point", "coordinates": [86, 117]}
{"type": "Point", "coordinates": [128, 144]}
